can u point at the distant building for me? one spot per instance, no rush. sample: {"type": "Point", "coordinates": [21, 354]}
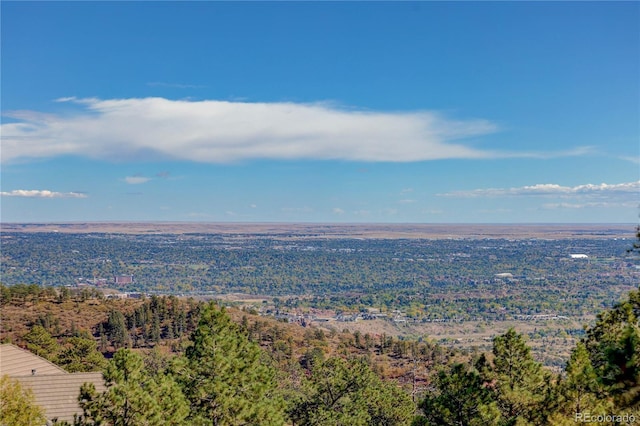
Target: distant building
{"type": "Point", "coordinates": [579, 256]}
{"type": "Point", "coordinates": [507, 275]}
{"type": "Point", "coordinates": [125, 296]}
{"type": "Point", "coordinates": [123, 279]}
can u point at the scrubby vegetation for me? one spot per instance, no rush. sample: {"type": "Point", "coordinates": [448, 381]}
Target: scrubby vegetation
{"type": "Point", "coordinates": [230, 365]}
{"type": "Point", "coordinates": [172, 359]}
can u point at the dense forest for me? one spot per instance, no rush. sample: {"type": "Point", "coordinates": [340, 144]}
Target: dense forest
{"type": "Point", "coordinates": [177, 361]}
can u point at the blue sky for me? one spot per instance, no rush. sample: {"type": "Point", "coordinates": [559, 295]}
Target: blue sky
{"type": "Point", "coordinates": [506, 112]}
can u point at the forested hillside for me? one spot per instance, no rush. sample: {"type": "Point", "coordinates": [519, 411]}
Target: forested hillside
{"type": "Point", "coordinates": [244, 368]}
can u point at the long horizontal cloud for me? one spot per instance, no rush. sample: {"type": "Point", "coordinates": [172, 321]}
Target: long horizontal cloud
{"type": "Point", "coordinates": [577, 206]}
{"type": "Point", "coordinates": [136, 180]}
{"type": "Point", "coordinates": [554, 190]}
{"type": "Point", "coordinates": [221, 132]}
{"type": "Point", "coordinates": [42, 193]}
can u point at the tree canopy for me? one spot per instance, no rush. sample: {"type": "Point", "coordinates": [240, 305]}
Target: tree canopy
{"type": "Point", "coordinates": [348, 392]}
{"type": "Point", "coordinates": [223, 378]}
{"type": "Point", "coordinates": [17, 406]}
{"type": "Point", "coordinates": [133, 396]}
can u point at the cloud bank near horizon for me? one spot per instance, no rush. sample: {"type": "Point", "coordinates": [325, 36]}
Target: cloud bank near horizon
{"type": "Point", "coordinates": [214, 131]}
{"type": "Point", "coordinates": [41, 193]}
{"type": "Point", "coordinates": [603, 190]}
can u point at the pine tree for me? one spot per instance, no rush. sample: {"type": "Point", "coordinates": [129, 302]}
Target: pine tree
{"type": "Point", "coordinates": [117, 329]}
{"type": "Point", "coordinates": [461, 399]}
{"type": "Point", "coordinates": [581, 387]}
{"type": "Point", "coordinates": [40, 342]}
{"type": "Point", "coordinates": [80, 354]}
{"type": "Point", "coordinates": [614, 349]}
{"type": "Point", "coordinates": [223, 377]}
{"type": "Point", "coordinates": [579, 391]}
{"type": "Point", "coordinates": [104, 342]}
{"type": "Point", "coordinates": [133, 397]}
{"type": "Point", "coordinates": [155, 328]}
{"type": "Point", "coordinates": [341, 392]}
{"type": "Point", "coordinates": [521, 386]}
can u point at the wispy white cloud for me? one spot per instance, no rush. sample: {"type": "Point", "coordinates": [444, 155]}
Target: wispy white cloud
{"type": "Point", "coordinates": [337, 210]}
{"type": "Point", "coordinates": [136, 180]}
{"type": "Point", "coordinates": [554, 190]}
{"type": "Point", "coordinates": [406, 201]}
{"type": "Point", "coordinates": [224, 131]}
{"type": "Point", "coordinates": [572, 152]}
{"type": "Point", "coordinates": [42, 193]}
{"type": "Point", "coordinates": [576, 206]}
{"type": "Point", "coordinates": [632, 159]}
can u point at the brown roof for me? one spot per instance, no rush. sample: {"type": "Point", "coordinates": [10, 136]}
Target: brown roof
{"type": "Point", "coordinates": [19, 362]}
{"type": "Point", "coordinates": [55, 390]}
{"type": "Point", "coordinates": [58, 394]}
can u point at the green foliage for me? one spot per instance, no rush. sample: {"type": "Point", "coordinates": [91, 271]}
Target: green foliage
{"type": "Point", "coordinates": [635, 248]}
{"type": "Point", "coordinates": [133, 397]}
{"type": "Point", "coordinates": [158, 318]}
{"type": "Point", "coordinates": [407, 274]}
{"type": "Point", "coordinates": [40, 342]}
{"type": "Point", "coordinates": [223, 377]}
{"type": "Point", "coordinates": [601, 377]}
{"type": "Point", "coordinates": [614, 349]}
{"type": "Point", "coordinates": [520, 384]}
{"type": "Point", "coordinates": [341, 392]}
{"type": "Point", "coordinates": [461, 399]}
{"type": "Point", "coordinates": [116, 329]}
{"type": "Point", "coordinates": [80, 354]}
{"type": "Point", "coordinates": [23, 293]}
{"type": "Point", "coordinates": [580, 390]}
{"type": "Point", "coordinates": [17, 406]}
{"type": "Point", "coordinates": [511, 389]}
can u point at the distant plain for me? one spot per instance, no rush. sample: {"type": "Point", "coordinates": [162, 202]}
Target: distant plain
{"type": "Point", "coordinates": [337, 230]}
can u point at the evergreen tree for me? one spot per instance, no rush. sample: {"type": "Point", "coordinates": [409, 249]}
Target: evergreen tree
{"type": "Point", "coordinates": [581, 387]}
{"type": "Point", "coordinates": [223, 377]}
{"type": "Point", "coordinates": [117, 329]}
{"type": "Point", "coordinates": [133, 397]}
{"type": "Point", "coordinates": [521, 387]}
{"type": "Point", "coordinates": [155, 331]}
{"type": "Point", "coordinates": [614, 349]}
{"type": "Point", "coordinates": [80, 354]}
{"type": "Point", "coordinates": [104, 342]}
{"type": "Point", "coordinates": [461, 399]}
{"type": "Point", "coordinates": [579, 391]}
{"type": "Point", "coordinates": [341, 392]}
{"type": "Point", "coordinates": [40, 342]}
